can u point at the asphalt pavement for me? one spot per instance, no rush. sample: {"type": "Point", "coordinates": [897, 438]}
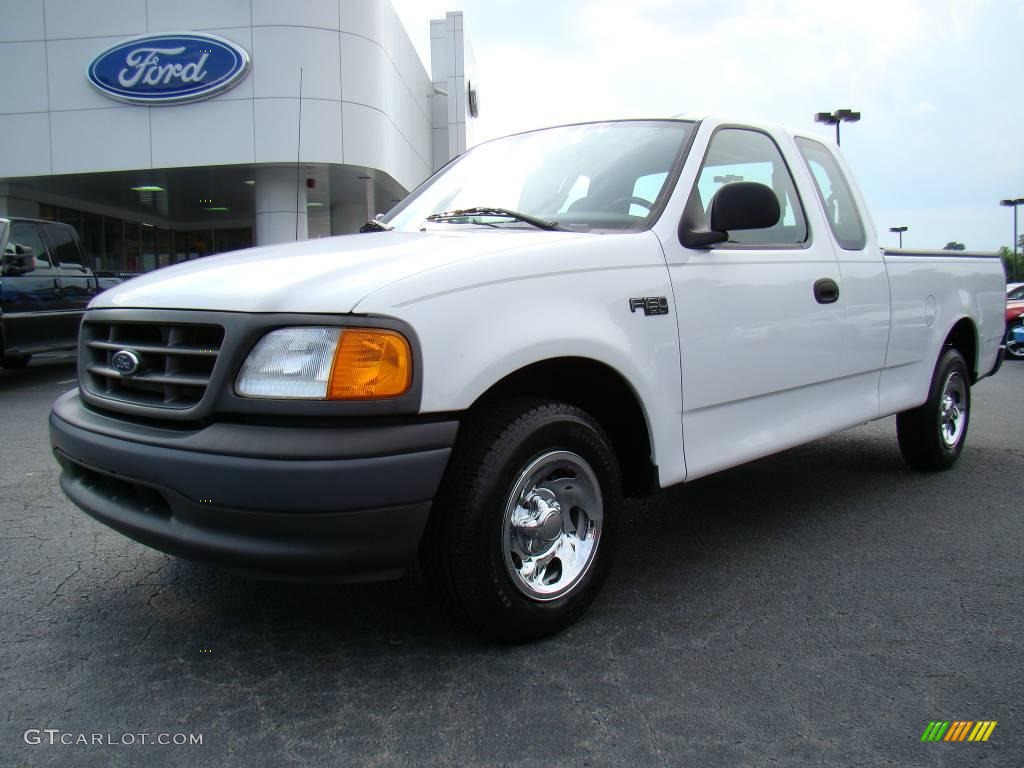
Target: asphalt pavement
{"type": "Point", "coordinates": [817, 608]}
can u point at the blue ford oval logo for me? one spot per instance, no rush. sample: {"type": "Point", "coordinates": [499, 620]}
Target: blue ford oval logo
{"type": "Point", "coordinates": [125, 361]}
{"type": "Point", "coordinates": [168, 69]}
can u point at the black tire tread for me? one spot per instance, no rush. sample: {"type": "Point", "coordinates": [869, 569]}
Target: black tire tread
{"type": "Point", "coordinates": [450, 549]}
{"type": "Point", "coordinates": [916, 429]}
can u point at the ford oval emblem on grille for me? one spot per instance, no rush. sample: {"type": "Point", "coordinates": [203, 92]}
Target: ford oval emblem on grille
{"type": "Point", "coordinates": [125, 362]}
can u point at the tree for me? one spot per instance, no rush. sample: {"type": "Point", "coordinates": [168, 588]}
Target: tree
{"type": "Point", "coordinates": [1007, 256]}
{"type": "Point", "coordinates": [953, 245]}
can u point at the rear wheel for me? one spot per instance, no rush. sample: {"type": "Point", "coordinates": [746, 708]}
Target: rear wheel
{"type": "Point", "coordinates": [1014, 348]}
{"type": "Point", "coordinates": [932, 436]}
{"type": "Point", "coordinates": [15, 362]}
{"type": "Point", "coordinates": [521, 531]}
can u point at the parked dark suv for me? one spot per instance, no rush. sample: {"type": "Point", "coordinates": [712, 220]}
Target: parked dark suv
{"type": "Point", "coordinates": [46, 281]}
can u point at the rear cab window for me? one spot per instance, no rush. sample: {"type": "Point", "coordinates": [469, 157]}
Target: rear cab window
{"type": "Point", "coordinates": [64, 247]}
{"type": "Point", "coordinates": [834, 192]}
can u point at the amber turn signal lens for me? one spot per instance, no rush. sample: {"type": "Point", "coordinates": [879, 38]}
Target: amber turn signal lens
{"type": "Point", "coordinates": [370, 364]}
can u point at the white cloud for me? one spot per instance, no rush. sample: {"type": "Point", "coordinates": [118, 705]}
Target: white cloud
{"type": "Point", "coordinates": [933, 78]}
{"type": "Point", "coordinates": [779, 61]}
{"type": "Point", "coordinates": [923, 108]}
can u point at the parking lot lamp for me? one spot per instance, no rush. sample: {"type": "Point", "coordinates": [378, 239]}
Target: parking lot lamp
{"type": "Point", "coordinates": [900, 231]}
{"type": "Point", "coordinates": [837, 117]}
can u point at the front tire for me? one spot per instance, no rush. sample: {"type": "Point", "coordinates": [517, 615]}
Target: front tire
{"type": "Point", "coordinates": [521, 532]}
{"type": "Point", "coordinates": [932, 436]}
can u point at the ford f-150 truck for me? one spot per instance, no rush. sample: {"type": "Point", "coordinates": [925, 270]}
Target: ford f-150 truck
{"type": "Point", "coordinates": [555, 320]}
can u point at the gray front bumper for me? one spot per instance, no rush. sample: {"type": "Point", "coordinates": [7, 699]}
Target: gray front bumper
{"type": "Point", "coordinates": [290, 502]}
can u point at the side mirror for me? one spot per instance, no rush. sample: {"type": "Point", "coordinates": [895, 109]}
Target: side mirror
{"type": "Point", "coordinates": [736, 206]}
{"type": "Point", "coordinates": [18, 259]}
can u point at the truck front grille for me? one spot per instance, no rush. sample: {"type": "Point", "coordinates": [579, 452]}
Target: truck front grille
{"type": "Point", "coordinates": [176, 361]}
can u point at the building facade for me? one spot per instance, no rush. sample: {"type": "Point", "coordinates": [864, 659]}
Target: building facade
{"type": "Point", "coordinates": [165, 131]}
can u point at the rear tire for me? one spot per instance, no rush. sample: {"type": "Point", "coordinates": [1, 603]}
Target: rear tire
{"type": "Point", "coordinates": [15, 362]}
{"type": "Point", "coordinates": [1014, 349]}
{"type": "Point", "coordinates": [521, 531]}
{"type": "Point", "coordinates": [932, 436]}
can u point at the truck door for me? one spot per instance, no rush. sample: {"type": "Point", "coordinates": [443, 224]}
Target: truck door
{"type": "Point", "coordinates": [28, 292]}
{"type": "Point", "coordinates": [76, 284]}
{"type": "Point", "coordinates": [759, 325]}
{"type": "Point", "coordinates": [865, 299]}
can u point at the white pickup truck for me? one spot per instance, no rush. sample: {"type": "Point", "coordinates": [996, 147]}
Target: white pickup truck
{"type": "Point", "coordinates": [554, 321]}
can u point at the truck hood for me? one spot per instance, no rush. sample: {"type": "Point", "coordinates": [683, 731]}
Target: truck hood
{"type": "Point", "coordinates": [328, 275]}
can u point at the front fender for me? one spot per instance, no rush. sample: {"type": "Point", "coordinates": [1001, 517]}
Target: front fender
{"type": "Point", "coordinates": [486, 319]}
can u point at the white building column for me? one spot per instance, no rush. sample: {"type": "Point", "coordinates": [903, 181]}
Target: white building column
{"type": "Point", "coordinates": [280, 200]}
{"type": "Point", "coordinates": [453, 69]}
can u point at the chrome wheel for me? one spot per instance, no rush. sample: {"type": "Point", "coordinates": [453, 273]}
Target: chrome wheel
{"type": "Point", "coordinates": [953, 409]}
{"type": "Point", "coordinates": [1014, 348]}
{"type": "Point", "coordinates": [552, 525]}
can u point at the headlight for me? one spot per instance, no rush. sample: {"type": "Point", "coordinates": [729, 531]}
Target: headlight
{"type": "Point", "coordinates": [327, 364]}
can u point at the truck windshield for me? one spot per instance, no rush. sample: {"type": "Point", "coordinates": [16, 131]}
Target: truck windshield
{"type": "Point", "coordinates": [598, 176]}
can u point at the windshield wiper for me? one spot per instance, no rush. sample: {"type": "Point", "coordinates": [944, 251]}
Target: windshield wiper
{"type": "Point", "coordinates": [515, 215]}
{"type": "Point", "coordinates": [375, 226]}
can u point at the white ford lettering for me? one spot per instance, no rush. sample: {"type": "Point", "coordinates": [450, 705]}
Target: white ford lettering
{"type": "Point", "coordinates": [143, 65]}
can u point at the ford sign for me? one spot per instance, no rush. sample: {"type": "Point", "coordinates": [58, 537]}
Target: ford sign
{"type": "Point", "coordinates": [168, 69]}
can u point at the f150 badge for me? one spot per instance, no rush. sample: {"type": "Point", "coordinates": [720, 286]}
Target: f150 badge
{"type": "Point", "coordinates": [651, 305]}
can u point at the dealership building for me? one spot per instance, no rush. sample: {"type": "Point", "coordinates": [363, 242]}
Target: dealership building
{"type": "Point", "coordinates": [166, 131]}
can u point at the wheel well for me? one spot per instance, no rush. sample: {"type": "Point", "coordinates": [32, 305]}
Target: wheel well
{"type": "Point", "coordinates": [603, 393]}
{"type": "Point", "coordinates": [964, 338]}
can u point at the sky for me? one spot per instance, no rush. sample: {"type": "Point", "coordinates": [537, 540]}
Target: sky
{"type": "Point", "coordinates": [939, 83]}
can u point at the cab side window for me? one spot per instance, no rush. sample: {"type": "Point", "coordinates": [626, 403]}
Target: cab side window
{"type": "Point", "coordinates": [740, 154]}
{"type": "Point", "coordinates": [837, 199]}
{"type": "Point", "coordinates": [28, 235]}
{"type": "Point", "coordinates": [65, 250]}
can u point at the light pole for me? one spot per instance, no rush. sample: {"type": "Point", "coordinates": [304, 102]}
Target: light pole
{"type": "Point", "coordinates": [900, 231]}
{"type": "Point", "coordinates": [1013, 203]}
{"type": "Point", "coordinates": [837, 117]}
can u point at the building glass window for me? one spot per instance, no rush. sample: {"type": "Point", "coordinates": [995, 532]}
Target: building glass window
{"type": "Point", "coordinates": [164, 247]}
{"type": "Point", "coordinates": [148, 236]}
{"type": "Point", "coordinates": [198, 243]}
{"type": "Point", "coordinates": [91, 235]}
{"type": "Point", "coordinates": [70, 216]}
{"type": "Point", "coordinates": [117, 245]}
{"type": "Point", "coordinates": [225, 240]}
{"type": "Point", "coordinates": [132, 246]}
{"type": "Point", "coordinates": [113, 245]}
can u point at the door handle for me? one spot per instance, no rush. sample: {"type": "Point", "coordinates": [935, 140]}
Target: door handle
{"type": "Point", "coordinates": [826, 291]}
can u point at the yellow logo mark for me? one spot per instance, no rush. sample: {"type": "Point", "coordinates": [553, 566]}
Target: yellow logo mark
{"type": "Point", "coordinates": [958, 730]}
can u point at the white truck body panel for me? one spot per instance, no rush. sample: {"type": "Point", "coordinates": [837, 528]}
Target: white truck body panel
{"type": "Point", "coordinates": [328, 275]}
{"type": "Point", "coordinates": [492, 316]}
{"type": "Point", "coordinates": [746, 363]}
{"type": "Point", "coordinates": [929, 295]}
